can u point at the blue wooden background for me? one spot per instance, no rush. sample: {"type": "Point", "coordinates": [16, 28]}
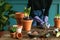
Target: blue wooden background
{"type": "Point", "coordinates": [18, 5]}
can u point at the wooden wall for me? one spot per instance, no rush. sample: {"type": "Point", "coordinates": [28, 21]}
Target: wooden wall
{"type": "Point", "coordinates": [19, 5]}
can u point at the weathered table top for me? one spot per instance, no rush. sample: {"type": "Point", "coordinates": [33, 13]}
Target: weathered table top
{"type": "Point", "coordinates": [6, 35]}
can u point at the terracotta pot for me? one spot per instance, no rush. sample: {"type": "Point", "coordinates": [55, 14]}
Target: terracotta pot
{"type": "Point", "coordinates": [13, 35]}
{"type": "Point", "coordinates": [18, 35]}
{"type": "Point", "coordinates": [27, 25]}
{"type": "Point", "coordinates": [19, 21]}
{"type": "Point", "coordinates": [57, 22]}
{"type": "Point", "coordinates": [19, 17]}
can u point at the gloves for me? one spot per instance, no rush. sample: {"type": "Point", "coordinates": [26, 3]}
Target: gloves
{"type": "Point", "coordinates": [42, 23]}
{"type": "Point", "coordinates": [45, 19]}
{"type": "Point", "coordinates": [38, 20]}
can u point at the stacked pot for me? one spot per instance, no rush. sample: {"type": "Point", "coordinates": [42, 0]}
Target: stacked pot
{"type": "Point", "coordinates": [16, 31]}
{"type": "Point", "coordinates": [25, 23]}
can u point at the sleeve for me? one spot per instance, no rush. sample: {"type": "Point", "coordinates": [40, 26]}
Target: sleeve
{"type": "Point", "coordinates": [29, 3]}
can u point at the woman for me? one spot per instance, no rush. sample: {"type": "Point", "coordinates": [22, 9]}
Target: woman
{"type": "Point", "coordinates": [40, 9]}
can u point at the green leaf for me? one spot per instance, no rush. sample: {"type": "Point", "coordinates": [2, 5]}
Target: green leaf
{"type": "Point", "coordinates": [58, 34]}
{"type": "Point", "coordinates": [57, 16]}
{"type": "Point", "coordinates": [12, 15]}
{"type": "Point", "coordinates": [7, 7]}
{"type": "Point", "coordinates": [1, 27]}
{"type": "Point", "coordinates": [27, 11]}
{"type": "Point", "coordinates": [2, 2]}
{"type": "Point", "coordinates": [13, 29]}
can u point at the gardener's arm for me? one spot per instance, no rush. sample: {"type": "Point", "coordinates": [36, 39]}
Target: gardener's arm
{"type": "Point", "coordinates": [29, 4]}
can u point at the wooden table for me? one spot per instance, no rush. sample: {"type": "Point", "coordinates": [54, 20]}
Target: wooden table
{"type": "Point", "coordinates": [6, 35]}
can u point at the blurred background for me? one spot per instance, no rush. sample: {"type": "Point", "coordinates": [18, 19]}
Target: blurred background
{"type": "Point", "coordinates": [18, 5]}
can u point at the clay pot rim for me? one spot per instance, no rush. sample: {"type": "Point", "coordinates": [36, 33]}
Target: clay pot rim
{"type": "Point", "coordinates": [19, 12]}
{"type": "Point", "coordinates": [18, 36]}
{"type": "Point", "coordinates": [28, 20]}
{"type": "Point", "coordinates": [56, 18]}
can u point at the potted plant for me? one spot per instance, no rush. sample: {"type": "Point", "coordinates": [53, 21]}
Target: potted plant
{"type": "Point", "coordinates": [27, 21]}
{"type": "Point", "coordinates": [57, 21]}
{"type": "Point", "coordinates": [4, 15]}
{"type": "Point", "coordinates": [13, 31]}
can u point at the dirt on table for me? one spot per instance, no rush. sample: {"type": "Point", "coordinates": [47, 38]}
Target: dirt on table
{"type": "Point", "coordinates": [6, 35]}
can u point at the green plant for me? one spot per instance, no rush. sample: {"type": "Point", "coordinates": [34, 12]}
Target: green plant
{"type": "Point", "coordinates": [27, 12]}
{"type": "Point", "coordinates": [57, 16]}
{"type": "Point", "coordinates": [13, 29]}
{"type": "Point", "coordinates": [5, 13]}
